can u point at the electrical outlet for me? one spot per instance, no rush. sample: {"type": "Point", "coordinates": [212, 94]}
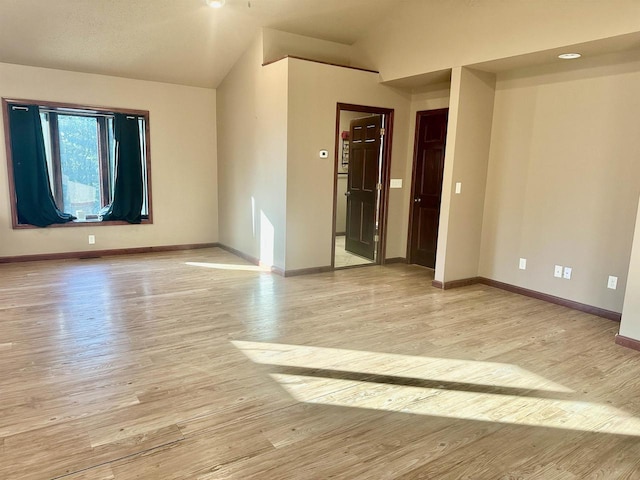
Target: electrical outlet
{"type": "Point", "coordinates": [458, 188]}
{"type": "Point", "coordinates": [557, 272]}
{"type": "Point", "coordinates": [523, 264]}
{"type": "Point", "coordinates": [567, 273]}
{"type": "Point", "coordinates": [92, 239]}
{"type": "Point", "coordinates": [613, 282]}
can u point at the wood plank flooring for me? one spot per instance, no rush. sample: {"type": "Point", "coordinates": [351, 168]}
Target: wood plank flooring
{"type": "Point", "coordinates": [195, 365]}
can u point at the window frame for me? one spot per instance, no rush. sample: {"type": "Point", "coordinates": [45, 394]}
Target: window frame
{"type": "Point", "coordinates": [63, 107]}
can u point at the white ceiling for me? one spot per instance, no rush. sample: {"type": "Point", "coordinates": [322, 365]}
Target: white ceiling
{"type": "Point", "coordinates": [175, 41]}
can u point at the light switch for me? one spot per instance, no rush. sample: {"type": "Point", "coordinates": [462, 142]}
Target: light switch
{"type": "Point", "coordinates": [458, 187]}
{"type": "Point", "coordinates": [396, 183]}
{"type": "Point", "coordinates": [567, 273]}
{"type": "Point", "coordinates": [523, 264]}
{"type": "Point", "coordinates": [613, 282]}
{"type": "Point", "coordinates": [557, 271]}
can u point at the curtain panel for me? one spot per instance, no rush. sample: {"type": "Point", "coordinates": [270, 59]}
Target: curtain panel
{"type": "Point", "coordinates": [34, 198]}
{"type": "Point", "coordinates": [128, 190]}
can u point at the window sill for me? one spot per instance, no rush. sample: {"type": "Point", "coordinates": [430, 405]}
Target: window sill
{"type": "Point", "coordinates": [83, 223]}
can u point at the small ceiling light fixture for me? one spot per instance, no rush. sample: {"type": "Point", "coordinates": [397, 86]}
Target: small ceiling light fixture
{"type": "Point", "coordinates": [215, 3]}
{"type": "Point", "coordinates": [569, 56]}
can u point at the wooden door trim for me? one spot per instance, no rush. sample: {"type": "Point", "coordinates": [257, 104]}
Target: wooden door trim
{"type": "Point", "coordinates": [386, 171]}
{"type": "Point", "coordinates": [419, 114]}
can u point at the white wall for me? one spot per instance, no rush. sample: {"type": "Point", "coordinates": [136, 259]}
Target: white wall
{"type": "Point", "coordinates": [183, 161]}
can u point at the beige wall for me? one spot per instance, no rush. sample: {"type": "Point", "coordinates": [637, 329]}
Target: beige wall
{"type": "Point", "coordinates": [183, 161]}
{"type": "Point", "coordinates": [466, 160]}
{"type": "Point", "coordinates": [429, 97]}
{"type": "Point", "coordinates": [630, 325]}
{"type": "Point", "coordinates": [278, 44]}
{"type": "Point", "coordinates": [564, 178]}
{"type": "Point", "coordinates": [314, 91]}
{"type": "Point", "coordinates": [430, 36]}
{"type": "Point", "coordinates": [252, 157]}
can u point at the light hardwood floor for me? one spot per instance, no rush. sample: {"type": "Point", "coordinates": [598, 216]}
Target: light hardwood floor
{"type": "Point", "coordinates": [197, 365]}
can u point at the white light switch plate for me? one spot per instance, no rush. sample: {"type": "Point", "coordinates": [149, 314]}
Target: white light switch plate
{"type": "Point", "coordinates": [458, 187]}
{"type": "Point", "coordinates": [396, 183]}
{"type": "Point", "coordinates": [523, 264]}
{"type": "Point", "coordinates": [613, 282]}
{"type": "Point", "coordinates": [92, 239]}
{"type": "Point", "coordinates": [557, 271]}
{"type": "Point", "coordinates": [567, 273]}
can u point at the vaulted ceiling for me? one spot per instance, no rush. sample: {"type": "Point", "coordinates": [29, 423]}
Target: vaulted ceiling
{"type": "Point", "coordinates": [175, 41]}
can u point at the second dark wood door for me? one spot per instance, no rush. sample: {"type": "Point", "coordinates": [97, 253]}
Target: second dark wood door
{"type": "Point", "coordinates": [431, 133]}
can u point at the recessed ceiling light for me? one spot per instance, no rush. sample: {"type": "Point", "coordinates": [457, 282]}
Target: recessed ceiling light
{"type": "Point", "coordinates": [215, 3]}
{"type": "Point", "coordinates": [569, 56]}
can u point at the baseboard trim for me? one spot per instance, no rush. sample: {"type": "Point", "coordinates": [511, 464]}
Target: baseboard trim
{"type": "Point", "coordinates": [389, 261]}
{"type": "Point", "coordinates": [105, 253]}
{"type": "Point", "coordinates": [455, 283]}
{"type": "Point", "coordinates": [600, 312]}
{"type": "Point", "coordinates": [307, 271]}
{"type": "Point", "coordinates": [278, 271]}
{"type": "Point", "coordinates": [240, 254]}
{"type": "Point", "coordinates": [249, 258]}
{"type": "Point", "coordinates": [627, 342]}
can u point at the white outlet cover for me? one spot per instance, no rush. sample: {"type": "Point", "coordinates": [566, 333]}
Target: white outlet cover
{"type": "Point", "coordinates": [613, 282]}
{"type": "Point", "coordinates": [557, 271]}
{"type": "Point", "coordinates": [458, 187]}
{"type": "Point", "coordinates": [523, 264]}
{"type": "Point", "coordinates": [92, 239]}
{"type": "Point", "coordinates": [567, 273]}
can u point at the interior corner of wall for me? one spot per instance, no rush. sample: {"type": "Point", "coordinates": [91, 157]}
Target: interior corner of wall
{"type": "Point", "coordinates": [266, 41]}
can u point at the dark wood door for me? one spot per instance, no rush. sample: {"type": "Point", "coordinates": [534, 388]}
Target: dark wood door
{"type": "Point", "coordinates": [428, 167]}
{"type": "Point", "coordinates": [362, 180]}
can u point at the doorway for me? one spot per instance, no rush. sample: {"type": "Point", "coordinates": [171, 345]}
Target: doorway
{"type": "Point", "coordinates": [426, 186]}
{"type": "Point", "coordinates": [362, 159]}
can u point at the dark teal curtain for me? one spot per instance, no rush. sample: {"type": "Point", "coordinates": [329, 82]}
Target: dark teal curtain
{"type": "Point", "coordinates": [35, 203]}
{"type": "Point", "coordinates": [128, 194]}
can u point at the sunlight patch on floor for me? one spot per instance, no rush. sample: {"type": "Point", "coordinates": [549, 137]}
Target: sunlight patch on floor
{"type": "Point", "coordinates": [326, 385]}
{"type": "Point", "coordinates": [228, 266]}
{"type": "Point", "coordinates": [406, 366]}
{"type": "Point", "coordinates": [486, 407]}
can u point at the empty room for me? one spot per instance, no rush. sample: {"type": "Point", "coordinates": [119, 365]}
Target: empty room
{"type": "Point", "coordinates": [304, 239]}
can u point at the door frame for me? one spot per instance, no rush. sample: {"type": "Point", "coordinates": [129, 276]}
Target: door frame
{"type": "Point", "coordinates": [413, 177]}
{"type": "Point", "coordinates": [386, 171]}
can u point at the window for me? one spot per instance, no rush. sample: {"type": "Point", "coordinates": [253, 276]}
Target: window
{"type": "Point", "coordinates": [80, 151]}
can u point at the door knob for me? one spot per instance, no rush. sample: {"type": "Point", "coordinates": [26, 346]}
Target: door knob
{"type": "Point", "coordinates": [347, 193]}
